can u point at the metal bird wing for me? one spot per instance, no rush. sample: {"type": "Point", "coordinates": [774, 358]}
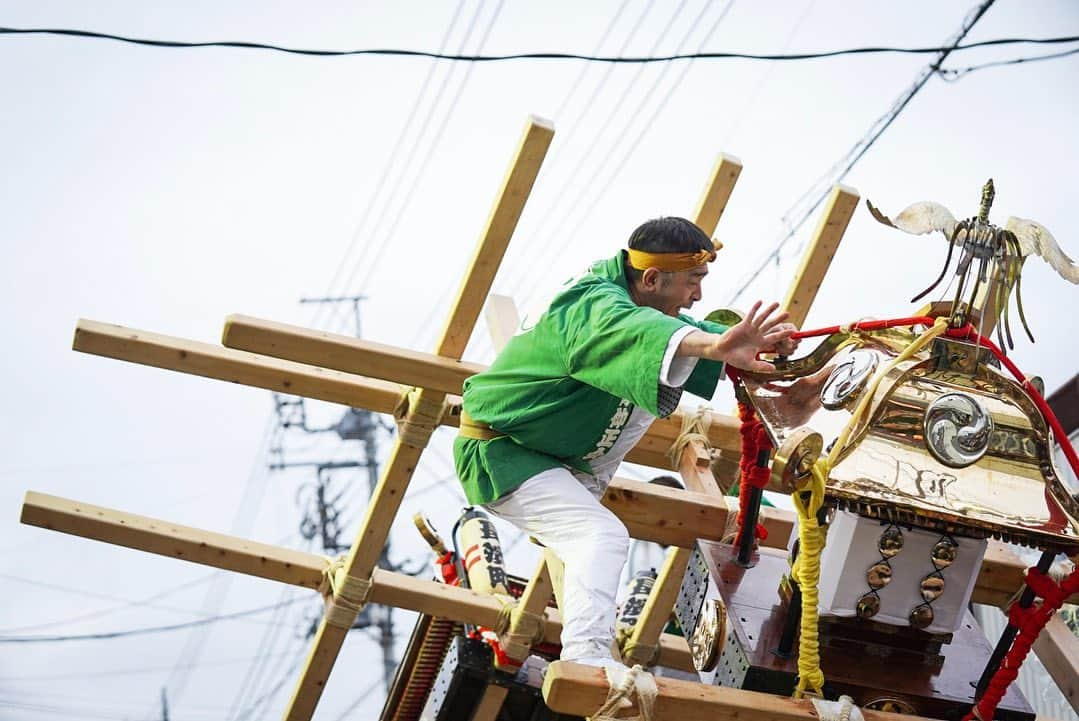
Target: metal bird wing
{"type": "Point", "coordinates": [1035, 238]}
{"type": "Point", "coordinates": [918, 219]}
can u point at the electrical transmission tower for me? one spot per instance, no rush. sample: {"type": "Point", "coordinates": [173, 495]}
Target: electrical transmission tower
{"type": "Point", "coordinates": [321, 500]}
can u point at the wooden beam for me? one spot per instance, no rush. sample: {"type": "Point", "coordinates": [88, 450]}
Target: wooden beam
{"type": "Point", "coordinates": [650, 512]}
{"type": "Point", "coordinates": [680, 518]}
{"type": "Point", "coordinates": [386, 498]}
{"type": "Point", "coordinates": [557, 572]}
{"type": "Point", "coordinates": [1057, 646]}
{"type": "Point", "coordinates": [283, 376]}
{"type": "Point", "coordinates": [210, 361]}
{"type": "Point", "coordinates": [173, 540]}
{"type": "Point", "coordinates": [714, 200]}
{"type": "Point", "coordinates": [723, 431]}
{"type": "Point", "coordinates": [496, 237]}
{"type": "Point", "coordinates": [285, 565]}
{"type": "Point", "coordinates": [533, 602]}
{"type": "Point", "coordinates": [1058, 650]}
{"type": "Point", "coordinates": [346, 353]}
{"type": "Point", "coordinates": [657, 609]}
{"type": "Point", "coordinates": [579, 690]}
{"type": "Point", "coordinates": [695, 468]}
{"type": "Point", "coordinates": [818, 255]}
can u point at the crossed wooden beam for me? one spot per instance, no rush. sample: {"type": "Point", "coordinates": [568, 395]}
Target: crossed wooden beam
{"type": "Point", "coordinates": [360, 373]}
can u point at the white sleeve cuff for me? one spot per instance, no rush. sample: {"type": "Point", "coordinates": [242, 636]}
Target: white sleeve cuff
{"type": "Point", "coordinates": [675, 372]}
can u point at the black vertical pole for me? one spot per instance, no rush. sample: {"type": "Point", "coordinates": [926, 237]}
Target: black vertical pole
{"type": "Point", "coordinates": [752, 513]}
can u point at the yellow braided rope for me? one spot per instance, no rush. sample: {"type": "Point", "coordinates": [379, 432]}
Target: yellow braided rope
{"type": "Point", "coordinates": [806, 572]}
{"type": "Point", "coordinates": [811, 537]}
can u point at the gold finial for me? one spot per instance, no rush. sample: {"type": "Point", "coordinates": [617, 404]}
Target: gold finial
{"type": "Point", "coordinates": [988, 193]}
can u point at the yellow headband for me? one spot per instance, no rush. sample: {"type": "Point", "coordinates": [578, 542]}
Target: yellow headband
{"type": "Point", "coordinates": [672, 262]}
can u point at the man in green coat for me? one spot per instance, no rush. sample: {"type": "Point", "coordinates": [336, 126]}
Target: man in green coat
{"type": "Point", "coordinates": [545, 427]}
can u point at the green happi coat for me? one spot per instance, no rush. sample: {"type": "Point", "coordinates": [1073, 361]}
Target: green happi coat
{"type": "Point", "coordinates": [562, 388]}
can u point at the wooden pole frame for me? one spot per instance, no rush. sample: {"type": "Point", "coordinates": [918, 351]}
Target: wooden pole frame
{"type": "Point", "coordinates": [359, 373]}
{"type": "Point", "coordinates": [284, 565]}
{"type": "Point", "coordinates": [405, 455]}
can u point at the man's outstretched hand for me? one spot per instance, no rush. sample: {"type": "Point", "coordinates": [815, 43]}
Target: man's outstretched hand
{"type": "Point", "coordinates": [759, 332]}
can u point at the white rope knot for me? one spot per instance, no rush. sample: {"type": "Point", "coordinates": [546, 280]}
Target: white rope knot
{"type": "Point", "coordinates": [841, 710]}
{"type": "Point", "coordinates": [417, 417]}
{"type": "Point", "coordinates": [625, 684]}
{"type": "Point", "coordinates": [345, 595]}
{"type": "Point", "coordinates": [694, 428]}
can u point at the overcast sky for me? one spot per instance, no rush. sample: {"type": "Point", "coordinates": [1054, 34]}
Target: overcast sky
{"type": "Point", "coordinates": [164, 189]}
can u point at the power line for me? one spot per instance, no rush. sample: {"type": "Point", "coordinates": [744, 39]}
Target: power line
{"type": "Point", "coordinates": [524, 252]}
{"type": "Point", "coordinates": [601, 188]}
{"type": "Point", "coordinates": [530, 56]}
{"type": "Point", "coordinates": [247, 511]}
{"type": "Point", "coordinates": [383, 181]}
{"type": "Point", "coordinates": [254, 674]}
{"type": "Point", "coordinates": [614, 114]}
{"type": "Point", "coordinates": [365, 695]}
{"type": "Point", "coordinates": [953, 74]}
{"type": "Point", "coordinates": [276, 688]}
{"type": "Point", "coordinates": [129, 671]}
{"type": "Point", "coordinates": [126, 603]}
{"type": "Point", "coordinates": [436, 140]}
{"type": "Point", "coordinates": [815, 195]}
{"type": "Point", "coordinates": [144, 631]}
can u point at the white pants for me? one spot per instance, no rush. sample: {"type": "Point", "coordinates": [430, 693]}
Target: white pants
{"type": "Point", "coordinates": [567, 517]}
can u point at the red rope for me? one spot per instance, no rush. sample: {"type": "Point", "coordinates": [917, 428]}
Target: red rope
{"type": "Point", "coordinates": [865, 325]}
{"type": "Point", "coordinates": [1030, 622]}
{"type": "Point", "coordinates": [754, 440]}
{"type": "Point", "coordinates": [967, 332]}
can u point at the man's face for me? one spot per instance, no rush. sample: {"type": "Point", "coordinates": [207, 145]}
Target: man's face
{"type": "Point", "coordinates": [678, 290]}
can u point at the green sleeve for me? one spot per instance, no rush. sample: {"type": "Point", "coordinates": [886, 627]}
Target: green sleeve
{"type": "Point", "coordinates": [707, 374]}
{"type": "Point", "coordinates": [617, 346]}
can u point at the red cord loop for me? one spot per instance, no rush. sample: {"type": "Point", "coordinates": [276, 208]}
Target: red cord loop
{"type": "Point", "coordinates": [1030, 622]}
{"type": "Point", "coordinates": [754, 440]}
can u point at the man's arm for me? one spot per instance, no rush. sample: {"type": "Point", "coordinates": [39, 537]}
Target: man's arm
{"type": "Point", "coordinates": [739, 346]}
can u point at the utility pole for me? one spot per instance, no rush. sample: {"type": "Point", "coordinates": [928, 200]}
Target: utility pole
{"type": "Point", "coordinates": [164, 704]}
{"type": "Point", "coordinates": [321, 513]}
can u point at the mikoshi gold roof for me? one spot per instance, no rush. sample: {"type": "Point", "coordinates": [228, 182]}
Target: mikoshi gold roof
{"type": "Point", "coordinates": [948, 442]}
